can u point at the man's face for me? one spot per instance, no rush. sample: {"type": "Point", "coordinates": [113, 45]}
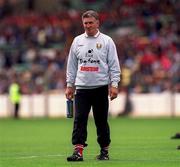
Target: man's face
{"type": "Point", "coordinates": [91, 25]}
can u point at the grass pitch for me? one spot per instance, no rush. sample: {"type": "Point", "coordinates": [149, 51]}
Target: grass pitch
{"type": "Point", "coordinates": [47, 142]}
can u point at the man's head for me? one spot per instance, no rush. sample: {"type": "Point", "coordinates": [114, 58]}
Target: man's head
{"type": "Point", "coordinates": [90, 21]}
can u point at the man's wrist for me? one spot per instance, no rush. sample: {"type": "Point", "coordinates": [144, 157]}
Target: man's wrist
{"type": "Point", "coordinates": [114, 84]}
{"type": "Point", "coordinates": [70, 85]}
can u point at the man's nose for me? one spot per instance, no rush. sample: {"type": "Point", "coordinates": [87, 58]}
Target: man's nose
{"type": "Point", "coordinates": [88, 25]}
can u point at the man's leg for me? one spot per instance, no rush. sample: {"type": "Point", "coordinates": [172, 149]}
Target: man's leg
{"type": "Point", "coordinates": [100, 112]}
{"type": "Point", "coordinates": [16, 110]}
{"type": "Point", "coordinates": [79, 135]}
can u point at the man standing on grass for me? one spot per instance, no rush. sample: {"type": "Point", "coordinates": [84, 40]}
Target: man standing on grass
{"type": "Point", "coordinates": [93, 73]}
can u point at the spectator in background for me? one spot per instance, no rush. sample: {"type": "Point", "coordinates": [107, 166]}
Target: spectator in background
{"type": "Point", "coordinates": [146, 34]}
{"type": "Point", "coordinates": [15, 97]}
{"type": "Point", "coordinates": [5, 8]}
{"type": "Point", "coordinates": [92, 65]}
{"type": "Point", "coordinates": [125, 86]}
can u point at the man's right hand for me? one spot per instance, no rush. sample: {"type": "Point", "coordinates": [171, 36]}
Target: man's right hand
{"type": "Point", "coordinates": [69, 92]}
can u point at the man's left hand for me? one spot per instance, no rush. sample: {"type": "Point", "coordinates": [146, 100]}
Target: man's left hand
{"type": "Point", "coordinates": [113, 93]}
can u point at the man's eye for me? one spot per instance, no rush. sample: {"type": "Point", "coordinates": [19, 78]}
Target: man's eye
{"type": "Point", "coordinates": [88, 23]}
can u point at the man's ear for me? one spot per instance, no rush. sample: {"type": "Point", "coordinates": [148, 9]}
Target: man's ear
{"type": "Point", "coordinates": [98, 23]}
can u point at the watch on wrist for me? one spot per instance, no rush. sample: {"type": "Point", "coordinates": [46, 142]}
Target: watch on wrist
{"type": "Point", "coordinates": [115, 85]}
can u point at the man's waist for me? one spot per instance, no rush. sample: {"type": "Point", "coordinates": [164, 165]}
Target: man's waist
{"type": "Point", "coordinates": [88, 87]}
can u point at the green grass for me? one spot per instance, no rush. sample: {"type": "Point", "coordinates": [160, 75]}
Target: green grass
{"type": "Point", "coordinates": [47, 142]}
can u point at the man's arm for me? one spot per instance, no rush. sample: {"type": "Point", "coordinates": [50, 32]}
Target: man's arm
{"type": "Point", "coordinates": [114, 70]}
{"type": "Point", "coordinates": [72, 65]}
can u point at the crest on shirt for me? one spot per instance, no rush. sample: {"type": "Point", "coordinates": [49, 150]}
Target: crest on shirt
{"type": "Point", "coordinates": [98, 45]}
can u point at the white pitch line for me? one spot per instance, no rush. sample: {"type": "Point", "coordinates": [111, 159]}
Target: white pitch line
{"type": "Point", "coordinates": [37, 156]}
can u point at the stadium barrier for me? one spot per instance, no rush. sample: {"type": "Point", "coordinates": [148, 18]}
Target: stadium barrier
{"type": "Point", "coordinates": [54, 105]}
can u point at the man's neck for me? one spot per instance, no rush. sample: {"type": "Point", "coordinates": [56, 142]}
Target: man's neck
{"type": "Point", "coordinates": [93, 35]}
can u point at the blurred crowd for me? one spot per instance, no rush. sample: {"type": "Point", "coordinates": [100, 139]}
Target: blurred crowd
{"type": "Point", "coordinates": [34, 46]}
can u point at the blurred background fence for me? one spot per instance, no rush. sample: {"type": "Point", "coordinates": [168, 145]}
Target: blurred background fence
{"type": "Point", "coordinates": [35, 36]}
{"type": "Point", "coordinates": [54, 105]}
